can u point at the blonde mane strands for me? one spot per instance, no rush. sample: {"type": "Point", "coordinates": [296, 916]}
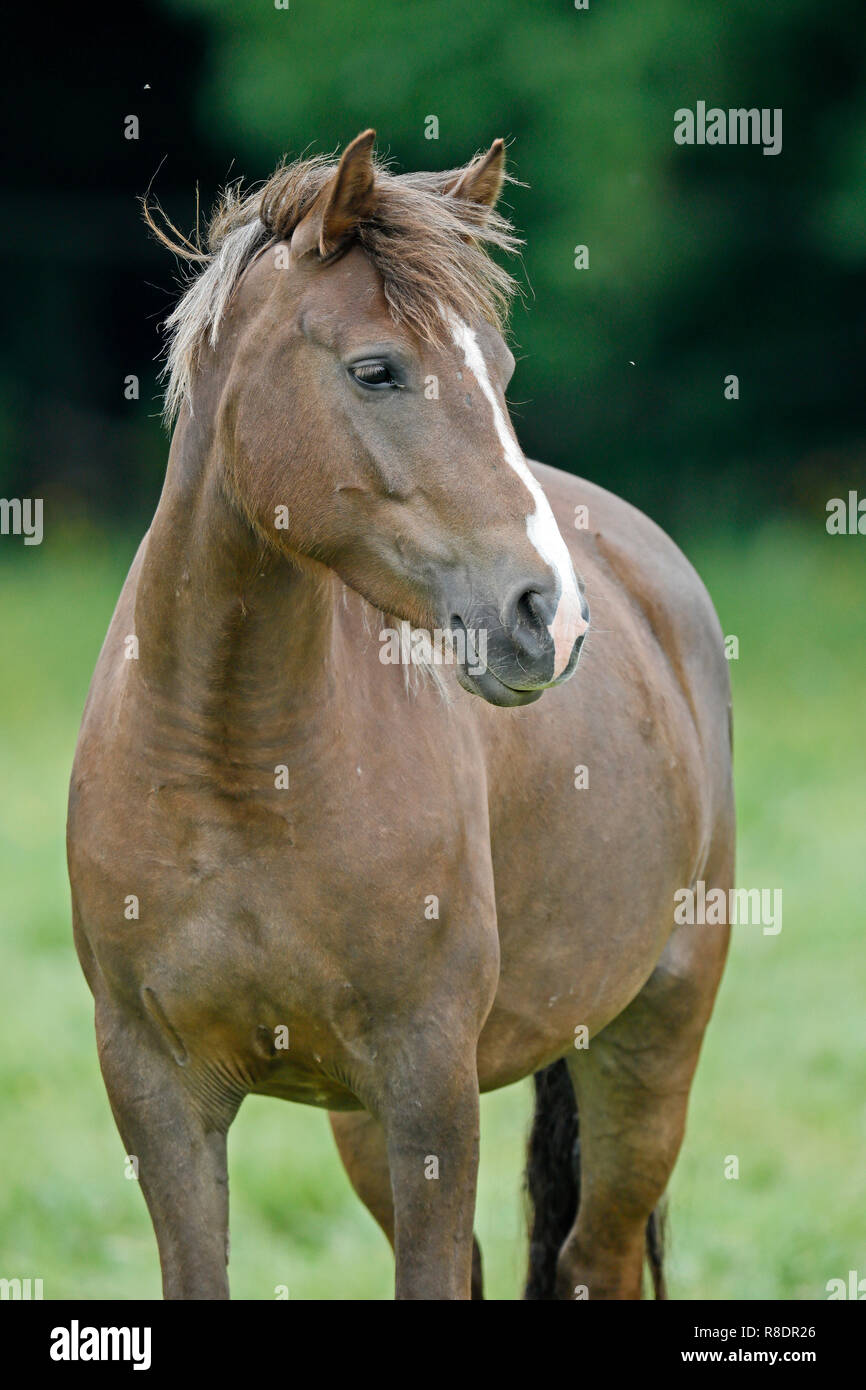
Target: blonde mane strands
{"type": "Point", "coordinates": [430, 250]}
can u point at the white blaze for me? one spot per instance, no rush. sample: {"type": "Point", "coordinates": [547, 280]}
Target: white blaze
{"type": "Point", "coordinates": [568, 621]}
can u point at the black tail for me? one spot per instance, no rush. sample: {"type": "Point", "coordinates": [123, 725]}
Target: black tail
{"type": "Point", "coordinates": [656, 1231]}
{"type": "Point", "coordinates": [552, 1176]}
{"type": "Point", "coordinates": [553, 1185]}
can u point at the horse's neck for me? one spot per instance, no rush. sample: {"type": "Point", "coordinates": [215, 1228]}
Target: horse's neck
{"type": "Point", "coordinates": [236, 646]}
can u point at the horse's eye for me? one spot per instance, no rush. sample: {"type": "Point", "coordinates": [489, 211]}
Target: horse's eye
{"type": "Point", "coordinates": [375, 375]}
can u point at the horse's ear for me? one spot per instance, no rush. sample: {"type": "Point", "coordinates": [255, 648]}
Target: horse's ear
{"type": "Point", "coordinates": [481, 181]}
{"type": "Point", "coordinates": [343, 203]}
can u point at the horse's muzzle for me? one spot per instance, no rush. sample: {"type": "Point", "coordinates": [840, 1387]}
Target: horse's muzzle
{"type": "Point", "coordinates": [529, 645]}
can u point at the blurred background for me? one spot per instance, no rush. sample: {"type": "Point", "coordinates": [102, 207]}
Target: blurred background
{"type": "Point", "coordinates": [703, 262]}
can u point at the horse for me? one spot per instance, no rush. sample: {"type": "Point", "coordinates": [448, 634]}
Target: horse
{"type": "Point", "coordinates": [375, 886]}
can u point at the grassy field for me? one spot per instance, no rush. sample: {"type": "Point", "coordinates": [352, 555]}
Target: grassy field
{"type": "Point", "coordinates": [782, 1082]}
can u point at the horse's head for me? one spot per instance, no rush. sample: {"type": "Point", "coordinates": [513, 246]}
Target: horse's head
{"type": "Point", "coordinates": [364, 405]}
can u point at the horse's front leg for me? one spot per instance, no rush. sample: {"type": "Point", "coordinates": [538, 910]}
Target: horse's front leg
{"type": "Point", "coordinates": [430, 1118]}
{"type": "Point", "coordinates": [174, 1125]}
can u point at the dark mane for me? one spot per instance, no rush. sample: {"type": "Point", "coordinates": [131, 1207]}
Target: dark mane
{"type": "Point", "coordinates": [430, 250]}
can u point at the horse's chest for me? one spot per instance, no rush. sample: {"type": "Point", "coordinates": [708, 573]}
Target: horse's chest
{"type": "Point", "coordinates": [287, 894]}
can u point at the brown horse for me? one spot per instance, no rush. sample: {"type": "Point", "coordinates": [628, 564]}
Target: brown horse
{"type": "Point", "coordinates": [302, 870]}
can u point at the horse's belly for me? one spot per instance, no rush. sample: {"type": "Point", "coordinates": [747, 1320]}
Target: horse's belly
{"type": "Point", "coordinates": [558, 989]}
{"type": "Point", "coordinates": [585, 884]}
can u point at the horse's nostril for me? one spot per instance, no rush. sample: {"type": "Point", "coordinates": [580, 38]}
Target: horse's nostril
{"type": "Point", "coordinates": [524, 610]}
{"type": "Point", "coordinates": [532, 610]}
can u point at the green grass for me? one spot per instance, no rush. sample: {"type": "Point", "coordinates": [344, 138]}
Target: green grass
{"type": "Point", "coordinates": [782, 1081]}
